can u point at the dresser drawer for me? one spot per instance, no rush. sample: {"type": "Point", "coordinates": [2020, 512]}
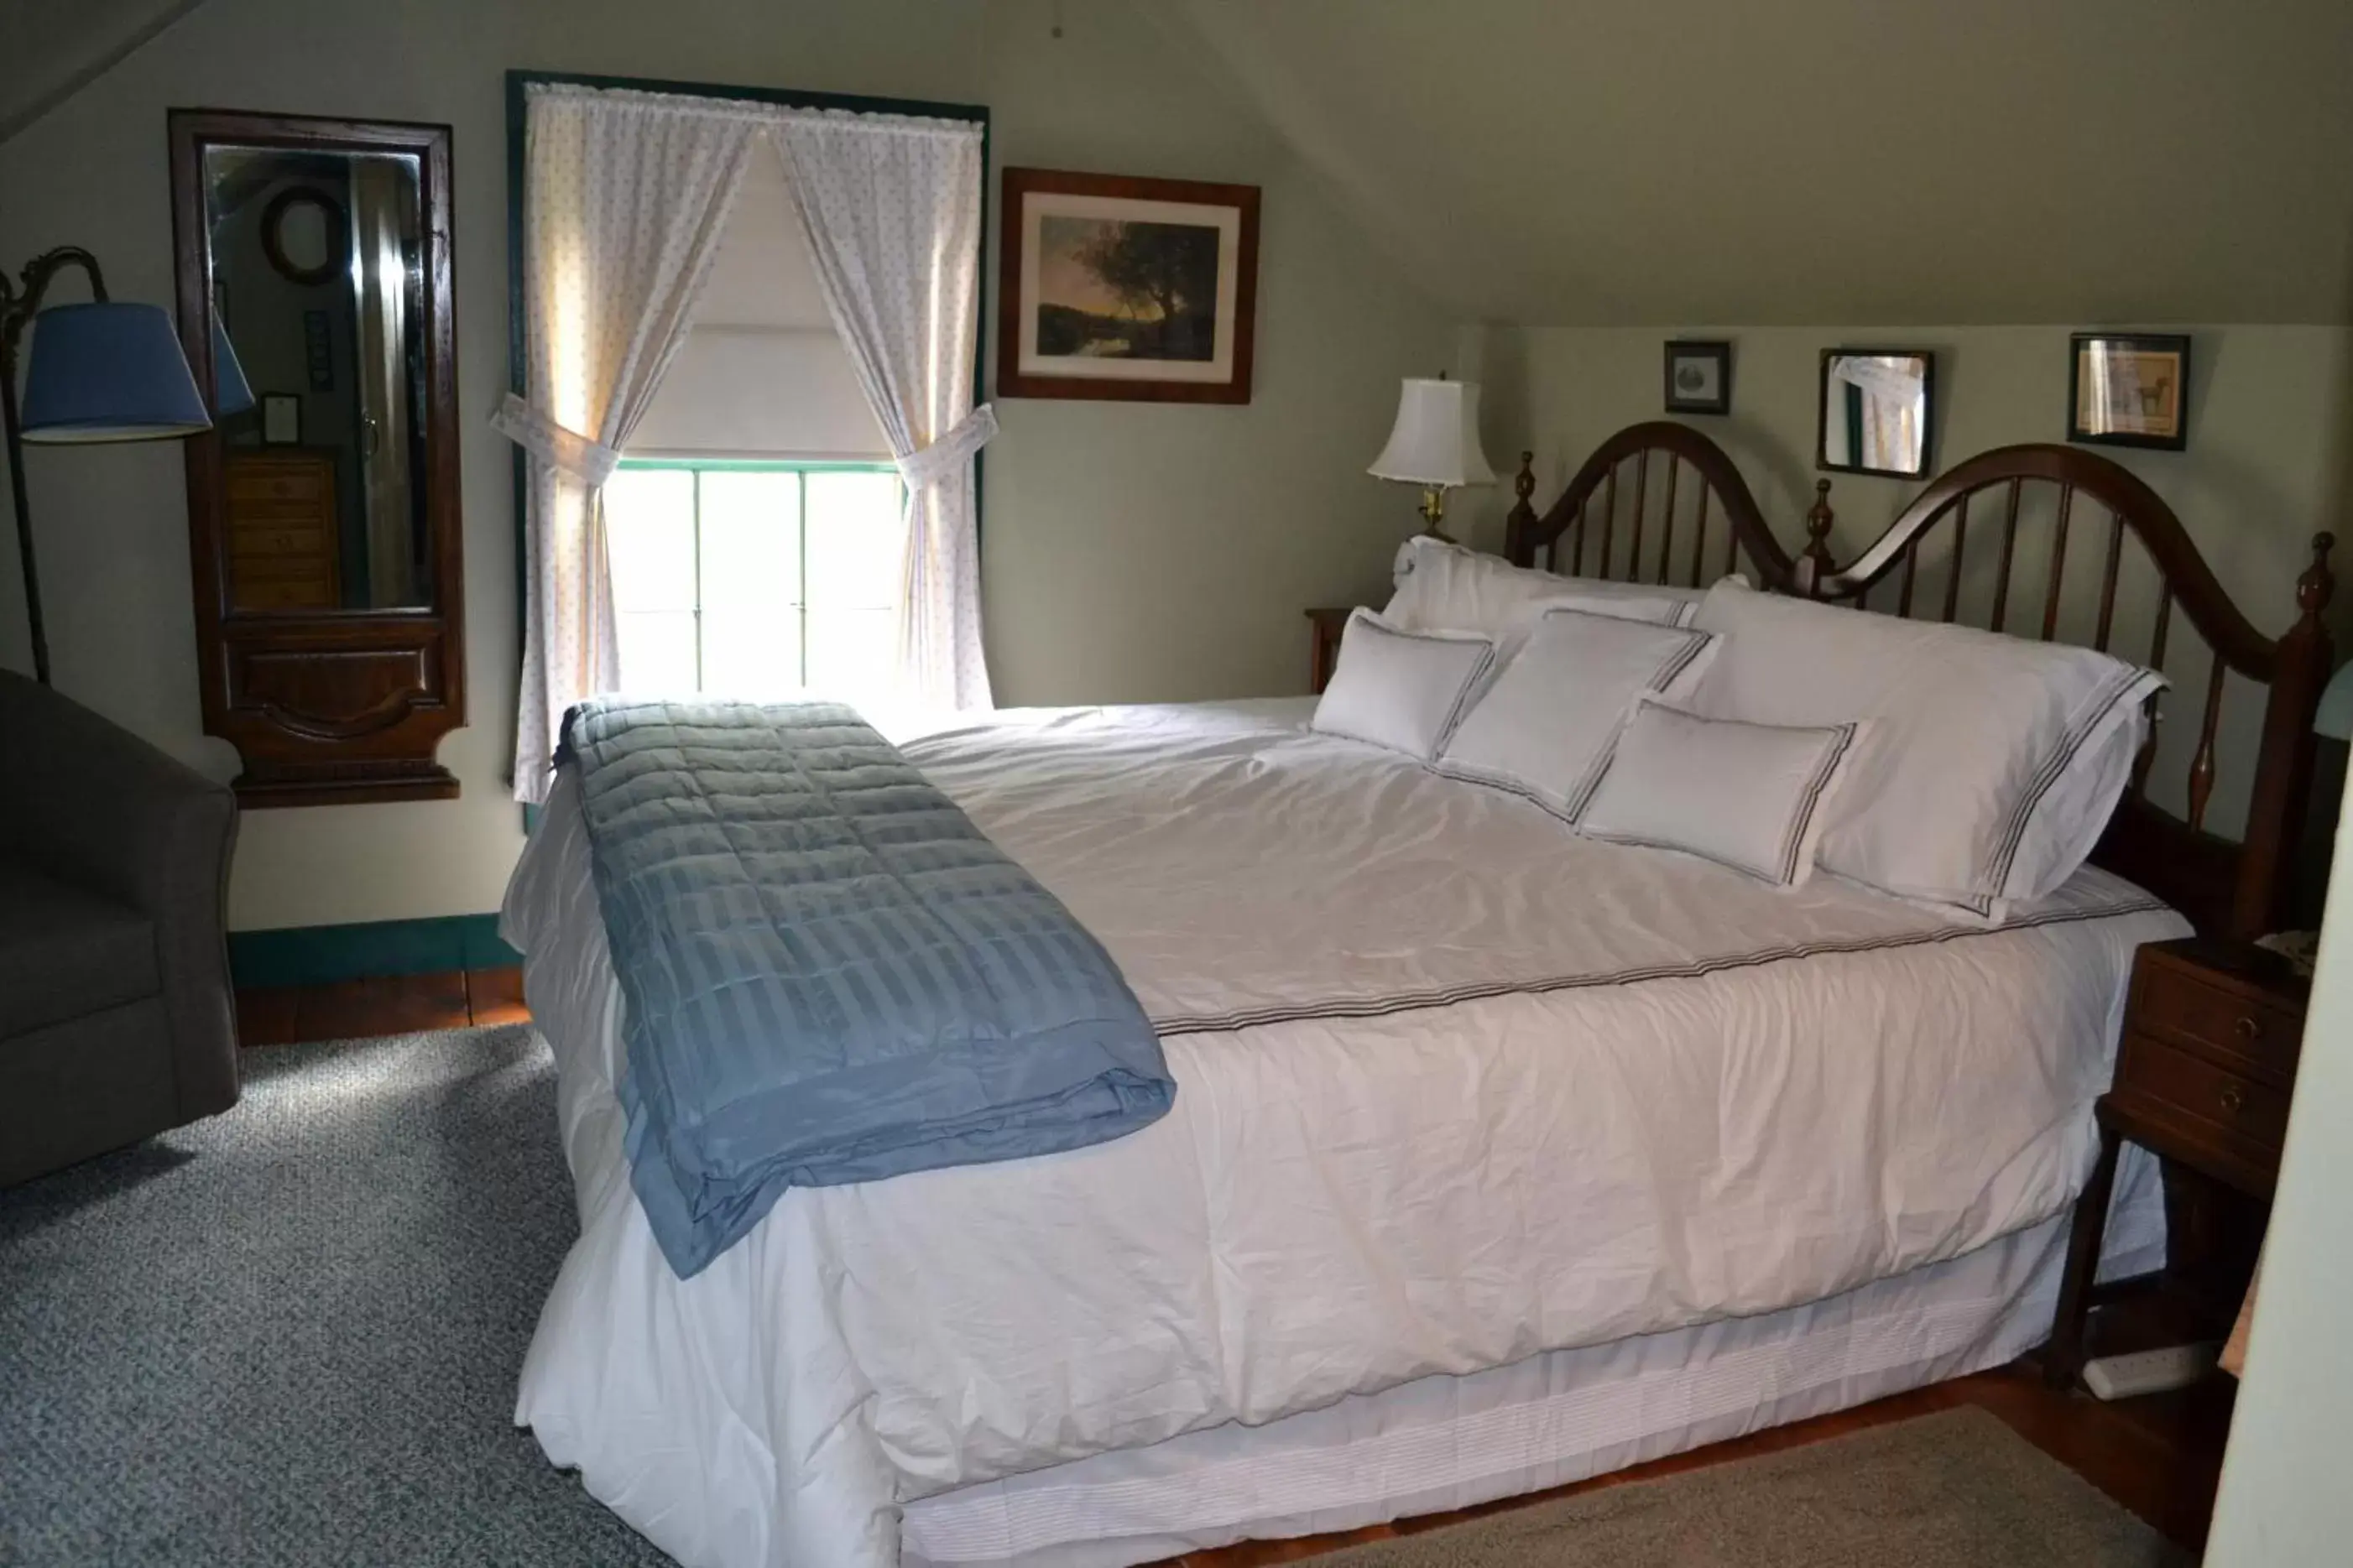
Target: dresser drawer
{"type": "Point", "coordinates": [277, 538]}
{"type": "Point", "coordinates": [311, 592]}
{"type": "Point", "coordinates": [2187, 1085]}
{"type": "Point", "coordinates": [2245, 1033]}
{"type": "Point", "coordinates": [252, 482]}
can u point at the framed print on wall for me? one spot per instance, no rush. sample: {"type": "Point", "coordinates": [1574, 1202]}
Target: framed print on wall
{"type": "Point", "coordinates": [282, 419]}
{"type": "Point", "coordinates": [1699, 378]}
{"type": "Point", "coordinates": [2128, 389]}
{"type": "Point", "coordinates": [1117, 287]}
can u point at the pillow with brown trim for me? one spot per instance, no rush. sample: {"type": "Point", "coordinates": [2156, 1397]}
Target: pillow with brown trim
{"type": "Point", "coordinates": [1992, 763]}
{"type": "Point", "coordinates": [1405, 690]}
{"type": "Point", "coordinates": [1750, 796]}
{"type": "Point", "coordinates": [1543, 728]}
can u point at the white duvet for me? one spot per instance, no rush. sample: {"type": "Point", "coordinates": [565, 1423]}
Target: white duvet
{"type": "Point", "coordinates": [1454, 1088]}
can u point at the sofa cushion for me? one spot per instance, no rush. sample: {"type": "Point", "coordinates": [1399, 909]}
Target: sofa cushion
{"type": "Point", "coordinates": [66, 953]}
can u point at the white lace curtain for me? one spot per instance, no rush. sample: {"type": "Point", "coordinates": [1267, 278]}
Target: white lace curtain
{"type": "Point", "coordinates": [628, 193]}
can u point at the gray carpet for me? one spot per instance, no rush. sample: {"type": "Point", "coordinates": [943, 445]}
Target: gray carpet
{"type": "Point", "coordinates": [1956, 1490]}
{"type": "Point", "coordinates": [289, 1335]}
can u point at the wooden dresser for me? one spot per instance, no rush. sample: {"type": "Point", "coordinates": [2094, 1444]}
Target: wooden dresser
{"type": "Point", "coordinates": [283, 546]}
{"type": "Point", "coordinates": [2204, 1074]}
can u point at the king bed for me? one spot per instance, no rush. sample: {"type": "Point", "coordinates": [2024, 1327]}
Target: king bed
{"type": "Point", "coordinates": [1499, 1155]}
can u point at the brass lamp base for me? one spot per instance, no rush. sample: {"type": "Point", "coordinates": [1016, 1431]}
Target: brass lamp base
{"type": "Point", "coordinates": [1433, 515]}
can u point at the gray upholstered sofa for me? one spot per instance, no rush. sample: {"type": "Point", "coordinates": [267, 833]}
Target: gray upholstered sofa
{"type": "Point", "coordinates": [117, 1020]}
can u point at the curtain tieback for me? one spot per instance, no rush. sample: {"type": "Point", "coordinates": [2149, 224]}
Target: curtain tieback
{"type": "Point", "coordinates": [944, 457]}
{"type": "Point", "coordinates": [590, 462]}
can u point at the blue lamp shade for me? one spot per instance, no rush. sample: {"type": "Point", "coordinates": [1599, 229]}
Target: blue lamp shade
{"type": "Point", "coordinates": [2334, 718]}
{"type": "Point", "coordinates": [231, 393]}
{"type": "Point", "coordinates": [109, 373]}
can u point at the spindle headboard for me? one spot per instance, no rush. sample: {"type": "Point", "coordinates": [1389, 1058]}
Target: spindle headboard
{"type": "Point", "coordinates": [2015, 506]}
{"type": "Point", "coordinates": [1614, 539]}
{"type": "Point", "coordinates": [2235, 888]}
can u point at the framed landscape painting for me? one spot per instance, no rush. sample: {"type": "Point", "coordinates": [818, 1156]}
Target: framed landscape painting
{"type": "Point", "coordinates": [1117, 287]}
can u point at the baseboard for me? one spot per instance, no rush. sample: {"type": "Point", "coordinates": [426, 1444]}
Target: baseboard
{"type": "Point", "coordinates": [318, 955]}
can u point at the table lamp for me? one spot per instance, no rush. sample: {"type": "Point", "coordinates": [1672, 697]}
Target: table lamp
{"type": "Point", "coordinates": [103, 372]}
{"type": "Point", "coordinates": [1435, 445]}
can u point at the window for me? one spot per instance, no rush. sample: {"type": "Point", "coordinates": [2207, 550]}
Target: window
{"type": "Point", "coordinates": [769, 581]}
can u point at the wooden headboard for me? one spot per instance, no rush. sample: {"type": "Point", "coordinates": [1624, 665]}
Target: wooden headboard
{"type": "Point", "coordinates": [1630, 537]}
{"type": "Point", "coordinates": [1958, 554]}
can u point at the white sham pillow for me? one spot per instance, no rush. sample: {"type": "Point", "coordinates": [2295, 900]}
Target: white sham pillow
{"type": "Point", "coordinates": [1754, 797]}
{"type": "Point", "coordinates": [1442, 587]}
{"type": "Point", "coordinates": [1991, 763]}
{"type": "Point", "coordinates": [1544, 727]}
{"type": "Point", "coordinates": [1405, 690]}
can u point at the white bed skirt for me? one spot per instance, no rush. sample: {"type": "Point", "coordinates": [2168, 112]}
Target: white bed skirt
{"type": "Point", "coordinates": [1445, 1443]}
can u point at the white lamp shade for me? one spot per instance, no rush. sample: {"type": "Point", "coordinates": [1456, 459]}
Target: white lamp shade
{"type": "Point", "coordinates": [1436, 442]}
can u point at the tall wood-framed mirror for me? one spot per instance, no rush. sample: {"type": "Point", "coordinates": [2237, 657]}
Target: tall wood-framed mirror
{"type": "Point", "coordinates": [323, 521]}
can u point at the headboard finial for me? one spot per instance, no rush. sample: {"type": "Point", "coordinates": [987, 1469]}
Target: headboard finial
{"type": "Point", "coordinates": [2318, 585]}
{"type": "Point", "coordinates": [1814, 562]}
{"type": "Point", "coordinates": [1520, 522]}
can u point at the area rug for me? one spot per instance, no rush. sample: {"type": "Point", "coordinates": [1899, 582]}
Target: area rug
{"type": "Point", "coordinates": [290, 1336]}
{"type": "Point", "coordinates": [1955, 1489]}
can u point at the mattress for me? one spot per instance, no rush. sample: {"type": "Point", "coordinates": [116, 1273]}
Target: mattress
{"type": "Point", "coordinates": [1457, 1092]}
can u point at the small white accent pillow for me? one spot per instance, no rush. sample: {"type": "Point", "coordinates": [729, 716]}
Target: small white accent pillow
{"type": "Point", "coordinates": [1544, 727]}
{"type": "Point", "coordinates": [1751, 796]}
{"type": "Point", "coordinates": [1992, 763]}
{"type": "Point", "coordinates": [1442, 587]}
{"type": "Point", "coordinates": [1405, 690]}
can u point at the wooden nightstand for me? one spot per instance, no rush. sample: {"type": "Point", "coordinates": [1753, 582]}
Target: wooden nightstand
{"type": "Point", "coordinates": [1328, 622]}
{"type": "Point", "coordinates": [2204, 1076]}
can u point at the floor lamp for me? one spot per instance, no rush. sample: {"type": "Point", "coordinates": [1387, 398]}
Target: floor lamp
{"type": "Point", "coordinates": [99, 371]}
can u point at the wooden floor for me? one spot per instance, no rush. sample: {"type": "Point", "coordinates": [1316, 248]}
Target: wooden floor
{"type": "Point", "coordinates": [2160, 1457]}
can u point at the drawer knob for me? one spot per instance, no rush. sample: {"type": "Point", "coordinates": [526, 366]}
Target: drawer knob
{"type": "Point", "coordinates": [2247, 1027]}
{"type": "Point", "coordinates": [2232, 1096]}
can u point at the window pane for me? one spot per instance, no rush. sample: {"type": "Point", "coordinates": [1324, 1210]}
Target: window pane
{"type": "Point", "coordinates": [656, 652]}
{"type": "Point", "coordinates": [853, 654]}
{"type": "Point", "coordinates": [856, 542]}
{"type": "Point", "coordinates": [751, 545]}
{"type": "Point", "coordinates": [752, 651]}
{"type": "Point", "coordinates": [650, 538]}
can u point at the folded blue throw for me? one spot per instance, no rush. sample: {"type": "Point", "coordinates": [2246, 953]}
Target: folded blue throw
{"type": "Point", "coordinates": [832, 976]}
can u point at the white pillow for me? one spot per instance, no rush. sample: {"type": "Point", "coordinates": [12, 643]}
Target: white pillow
{"type": "Point", "coordinates": [1544, 727]}
{"type": "Point", "coordinates": [1442, 587]}
{"type": "Point", "coordinates": [1750, 796]}
{"type": "Point", "coordinates": [1991, 764]}
{"type": "Point", "coordinates": [1405, 690]}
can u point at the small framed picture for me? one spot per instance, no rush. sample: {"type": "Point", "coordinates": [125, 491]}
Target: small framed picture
{"type": "Point", "coordinates": [1699, 378]}
{"type": "Point", "coordinates": [282, 419]}
{"type": "Point", "coordinates": [2128, 389]}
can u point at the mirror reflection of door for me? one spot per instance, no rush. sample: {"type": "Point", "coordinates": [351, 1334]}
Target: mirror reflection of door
{"type": "Point", "coordinates": [1875, 412]}
{"type": "Point", "coordinates": [318, 277]}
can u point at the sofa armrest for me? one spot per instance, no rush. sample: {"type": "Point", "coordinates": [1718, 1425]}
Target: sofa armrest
{"type": "Point", "coordinates": [93, 805]}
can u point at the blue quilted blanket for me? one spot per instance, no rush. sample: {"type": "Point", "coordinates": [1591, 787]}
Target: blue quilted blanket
{"type": "Point", "coordinates": [832, 976]}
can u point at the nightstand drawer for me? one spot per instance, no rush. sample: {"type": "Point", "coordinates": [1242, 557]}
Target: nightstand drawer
{"type": "Point", "coordinates": [2233, 1030]}
{"type": "Point", "coordinates": [2188, 1085]}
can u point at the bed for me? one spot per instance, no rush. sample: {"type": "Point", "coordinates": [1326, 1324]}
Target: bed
{"type": "Point", "coordinates": [1501, 1157]}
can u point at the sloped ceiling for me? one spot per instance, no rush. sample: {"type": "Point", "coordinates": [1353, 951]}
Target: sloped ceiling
{"type": "Point", "coordinates": [1801, 162]}
{"type": "Point", "coordinates": [50, 48]}
{"type": "Point", "coordinates": [1768, 161]}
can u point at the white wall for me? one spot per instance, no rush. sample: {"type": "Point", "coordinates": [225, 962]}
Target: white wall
{"type": "Point", "coordinates": [2284, 1502]}
{"type": "Point", "coordinates": [1131, 550]}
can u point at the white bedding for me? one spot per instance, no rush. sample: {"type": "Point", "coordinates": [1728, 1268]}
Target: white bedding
{"type": "Point", "coordinates": [1456, 1089]}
